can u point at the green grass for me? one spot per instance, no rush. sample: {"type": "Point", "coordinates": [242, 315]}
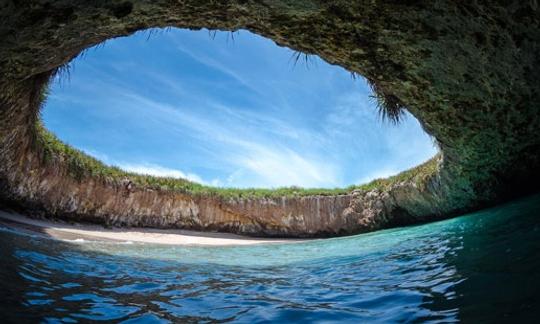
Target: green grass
{"type": "Point", "coordinates": [82, 167]}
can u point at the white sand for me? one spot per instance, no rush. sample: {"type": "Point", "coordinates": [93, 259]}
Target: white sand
{"type": "Point", "coordinates": [63, 231]}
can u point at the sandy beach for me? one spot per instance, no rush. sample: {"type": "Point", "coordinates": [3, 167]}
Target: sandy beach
{"type": "Point", "coordinates": [63, 231]}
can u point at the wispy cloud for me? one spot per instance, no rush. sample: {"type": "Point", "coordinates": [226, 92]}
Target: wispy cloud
{"type": "Point", "coordinates": [260, 160]}
{"type": "Point", "coordinates": [157, 170]}
{"type": "Point", "coordinates": [206, 60]}
{"type": "Point", "coordinates": [377, 174]}
{"type": "Point", "coordinates": [252, 161]}
{"type": "Point", "coordinates": [275, 168]}
{"type": "Point", "coordinates": [150, 169]}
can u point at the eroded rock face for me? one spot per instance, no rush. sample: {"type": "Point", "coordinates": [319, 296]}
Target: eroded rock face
{"type": "Point", "coordinates": [469, 72]}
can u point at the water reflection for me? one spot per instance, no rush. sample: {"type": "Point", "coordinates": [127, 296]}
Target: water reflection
{"type": "Point", "coordinates": [480, 267]}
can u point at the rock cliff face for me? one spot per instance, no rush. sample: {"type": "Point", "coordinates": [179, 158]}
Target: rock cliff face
{"type": "Point", "coordinates": [469, 71]}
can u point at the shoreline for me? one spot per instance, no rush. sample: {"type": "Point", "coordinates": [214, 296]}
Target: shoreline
{"type": "Point", "coordinates": [90, 232]}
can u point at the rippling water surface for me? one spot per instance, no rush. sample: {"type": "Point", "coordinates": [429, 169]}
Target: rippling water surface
{"type": "Point", "coordinates": [480, 267]}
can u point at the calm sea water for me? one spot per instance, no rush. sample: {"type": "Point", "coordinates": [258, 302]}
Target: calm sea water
{"type": "Point", "coordinates": [482, 267]}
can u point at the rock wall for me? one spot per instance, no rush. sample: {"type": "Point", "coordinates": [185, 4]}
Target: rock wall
{"type": "Point", "coordinates": [469, 71]}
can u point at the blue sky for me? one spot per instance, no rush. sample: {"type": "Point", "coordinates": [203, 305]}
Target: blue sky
{"type": "Point", "coordinates": [234, 113]}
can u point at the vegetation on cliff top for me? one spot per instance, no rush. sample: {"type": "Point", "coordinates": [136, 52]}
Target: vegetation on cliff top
{"type": "Point", "coordinates": [82, 167]}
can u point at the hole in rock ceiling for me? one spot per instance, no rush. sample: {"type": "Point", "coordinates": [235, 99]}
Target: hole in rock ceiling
{"type": "Point", "coordinates": [231, 110]}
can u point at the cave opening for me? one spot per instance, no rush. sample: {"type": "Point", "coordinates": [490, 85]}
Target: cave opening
{"type": "Point", "coordinates": [228, 109]}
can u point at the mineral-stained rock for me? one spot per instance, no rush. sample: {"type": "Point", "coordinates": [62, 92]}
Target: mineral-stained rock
{"type": "Point", "coordinates": [469, 71]}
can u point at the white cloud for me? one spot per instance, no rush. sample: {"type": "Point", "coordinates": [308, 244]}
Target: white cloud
{"type": "Point", "coordinates": [216, 65]}
{"type": "Point", "coordinates": [261, 165]}
{"type": "Point", "coordinates": [378, 174]}
{"type": "Point", "coordinates": [159, 171]}
{"type": "Point", "coordinates": [260, 161]}
{"type": "Point", "coordinates": [274, 168]}
{"type": "Point", "coordinates": [150, 169]}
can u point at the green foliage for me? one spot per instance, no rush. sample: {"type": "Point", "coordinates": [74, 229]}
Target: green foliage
{"type": "Point", "coordinates": [388, 105]}
{"type": "Point", "coordinates": [419, 175]}
{"type": "Point", "coordinates": [78, 163]}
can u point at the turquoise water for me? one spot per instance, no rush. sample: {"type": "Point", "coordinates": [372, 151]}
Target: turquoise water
{"type": "Point", "coordinates": [481, 267]}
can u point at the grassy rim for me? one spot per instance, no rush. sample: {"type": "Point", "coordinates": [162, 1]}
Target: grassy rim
{"type": "Point", "coordinates": [82, 167]}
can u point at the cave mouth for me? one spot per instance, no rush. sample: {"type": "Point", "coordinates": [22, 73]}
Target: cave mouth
{"type": "Point", "coordinates": [436, 61]}
{"type": "Point", "coordinates": [228, 110]}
